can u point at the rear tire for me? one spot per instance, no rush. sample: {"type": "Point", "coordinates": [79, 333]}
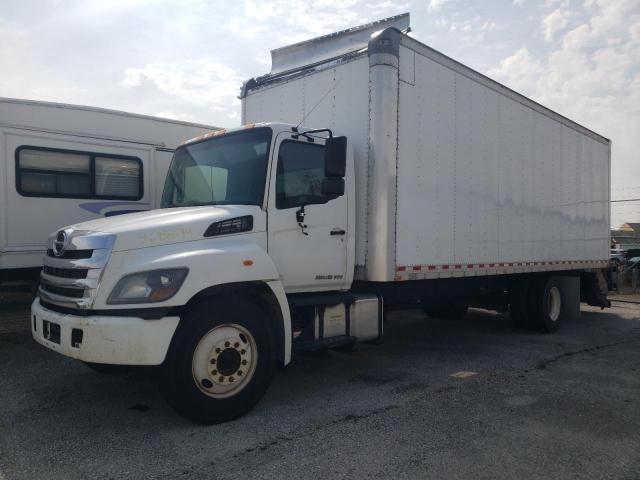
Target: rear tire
{"type": "Point", "coordinates": [221, 361]}
{"type": "Point", "coordinates": [546, 304]}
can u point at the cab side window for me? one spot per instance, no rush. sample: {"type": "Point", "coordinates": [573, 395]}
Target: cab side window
{"type": "Point", "coordinates": [299, 175]}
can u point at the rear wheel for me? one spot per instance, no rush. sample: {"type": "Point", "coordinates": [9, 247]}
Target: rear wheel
{"type": "Point", "coordinates": [546, 304]}
{"type": "Point", "coordinates": [221, 361]}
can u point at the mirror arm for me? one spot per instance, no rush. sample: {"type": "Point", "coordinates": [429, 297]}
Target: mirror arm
{"type": "Point", "coordinates": [318, 130]}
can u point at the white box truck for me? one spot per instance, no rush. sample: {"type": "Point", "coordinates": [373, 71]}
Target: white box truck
{"type": "Point", "coordinates": [424, 184]}
{"type": "Point", "coordinates": [63, 164]}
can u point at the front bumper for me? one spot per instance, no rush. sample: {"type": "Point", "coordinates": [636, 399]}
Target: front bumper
{"type": "Point", "coordinates": [104, 339]}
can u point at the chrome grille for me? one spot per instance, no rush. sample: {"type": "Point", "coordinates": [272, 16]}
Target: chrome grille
{"type": "Point", "coordinates": [64, 291]}
{"type": "Point", "coordinates": [71, 274]}
{"type": "Point", "coordinates": [66, 272]}
{"type": "Point", "coordinates": [71, 254]}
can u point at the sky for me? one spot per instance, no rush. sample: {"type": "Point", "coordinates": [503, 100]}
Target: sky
{"type": "Point", "coordinates": [186, 59]}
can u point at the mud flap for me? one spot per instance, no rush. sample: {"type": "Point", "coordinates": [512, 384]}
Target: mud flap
{"type": "Point", "coordinates": [570, 297]}
{"type": "Point", "coordinates": [593, 289]}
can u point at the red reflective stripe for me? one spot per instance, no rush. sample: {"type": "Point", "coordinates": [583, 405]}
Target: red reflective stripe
{"type": "Point", "coordinates": [417, 268]}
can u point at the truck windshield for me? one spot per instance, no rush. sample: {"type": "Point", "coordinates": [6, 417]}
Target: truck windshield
{"type": "Point", "coordinates": [225, 170]}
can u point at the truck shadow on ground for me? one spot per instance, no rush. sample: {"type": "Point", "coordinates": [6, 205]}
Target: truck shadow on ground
{"type": "Point", "coordinates": [419, 352]}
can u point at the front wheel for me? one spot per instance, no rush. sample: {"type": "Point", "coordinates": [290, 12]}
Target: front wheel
{"type": "Point", "coordinates": [221, 361]}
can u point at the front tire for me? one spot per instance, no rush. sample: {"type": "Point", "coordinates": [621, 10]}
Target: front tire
{"type": "Point", "coordinates": [221, 361]}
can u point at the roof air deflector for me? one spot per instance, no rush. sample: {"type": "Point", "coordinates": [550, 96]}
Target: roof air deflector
{"type": "Point", "coordinates": [332, 45]}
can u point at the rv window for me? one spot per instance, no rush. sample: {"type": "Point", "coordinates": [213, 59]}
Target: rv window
{"type": "Point", "coordinates": [46, 172]}
{"type": "Point", "coordinates": [117, 177]}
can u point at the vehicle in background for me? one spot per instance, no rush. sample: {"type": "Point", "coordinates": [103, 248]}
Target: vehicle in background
{"type": "Point", "coordinates": [631, 253]}
{"type": "Point", "coordinates": [62, 164]}
{"type": "Point", "coordinates": [633, 262]}
{"type": "Point", "coordinates": [617, 256]}
{"type": "Point", "coordinates": [425, 184]}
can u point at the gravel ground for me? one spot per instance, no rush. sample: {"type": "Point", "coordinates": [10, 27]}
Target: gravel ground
{"type": "Point", "coordinates": [530, 406]}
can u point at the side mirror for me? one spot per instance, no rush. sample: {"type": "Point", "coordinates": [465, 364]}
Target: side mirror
{"type": "Point", "coordinates": [335, 157]}
{"type": "Point", "coordinates": [332, 187]}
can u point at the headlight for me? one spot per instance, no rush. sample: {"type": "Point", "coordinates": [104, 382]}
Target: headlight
{"type": "Point", "coordinates": [148, 287]}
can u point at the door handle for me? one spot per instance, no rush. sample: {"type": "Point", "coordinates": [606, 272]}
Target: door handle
{"type": "Point", "coordinates": [337, 231]}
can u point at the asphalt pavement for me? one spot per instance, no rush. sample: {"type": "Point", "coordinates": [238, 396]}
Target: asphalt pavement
{"type": "Point", "coordinates": [439, 399]}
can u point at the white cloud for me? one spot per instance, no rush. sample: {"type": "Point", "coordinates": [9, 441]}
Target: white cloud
{"type": "Point", "coordinates": [438, 4]}
{"type": "Point", "coordinates": [520, 69]}
{"type": "Point", "coordinates": [185, 117]}
{"type": "Point", "coordinates": [259, 10]}
{"type": "Point", "coordinates": [197, 83]}
{"type": "Point", "coordinates": [553, 23]}
{"type": "Point", "coordinates": [634, 31]}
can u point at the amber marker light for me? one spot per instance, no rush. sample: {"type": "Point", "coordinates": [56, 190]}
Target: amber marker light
{"type": "Point", "coordinates": [247, 263]}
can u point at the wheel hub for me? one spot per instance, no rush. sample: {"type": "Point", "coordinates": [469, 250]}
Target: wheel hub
{"type": "Point", "coordinates": [228, 361]}
{"type": "Point", "coordinates": [224, 360]}
{"type": "Point", "coordinates": [555, 303]}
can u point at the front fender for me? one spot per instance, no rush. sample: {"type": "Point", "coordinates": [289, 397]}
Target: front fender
{"type": "Point", "coordinates": [237, 258]}
{"type": "Point", "coordinates": [211, 262]}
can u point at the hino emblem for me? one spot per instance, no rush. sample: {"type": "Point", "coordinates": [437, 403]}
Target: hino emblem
{"type": "Point", "coordinates": [60, 243]}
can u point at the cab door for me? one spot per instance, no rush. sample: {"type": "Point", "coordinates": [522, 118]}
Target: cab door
{"type": "Point", "coordinates": [307, 230]}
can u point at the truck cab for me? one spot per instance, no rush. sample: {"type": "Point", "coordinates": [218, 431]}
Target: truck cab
{"type": "Point", "coordinates": [256, 223]}
{"type": "Point", "coordinates": [295, 180]}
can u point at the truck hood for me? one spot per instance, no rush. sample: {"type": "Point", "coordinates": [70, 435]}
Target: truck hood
{"type": "Point", "coordinates": [168, 225]}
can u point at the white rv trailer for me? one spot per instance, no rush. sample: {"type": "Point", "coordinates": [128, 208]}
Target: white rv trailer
{"type": "Point", "coordinates": [424, 183]}
{"type": "Point", "coordinates": [62, 164]}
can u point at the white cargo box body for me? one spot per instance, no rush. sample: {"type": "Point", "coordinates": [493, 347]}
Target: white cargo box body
{"type": "Point", "coordinates": [456, 175]}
